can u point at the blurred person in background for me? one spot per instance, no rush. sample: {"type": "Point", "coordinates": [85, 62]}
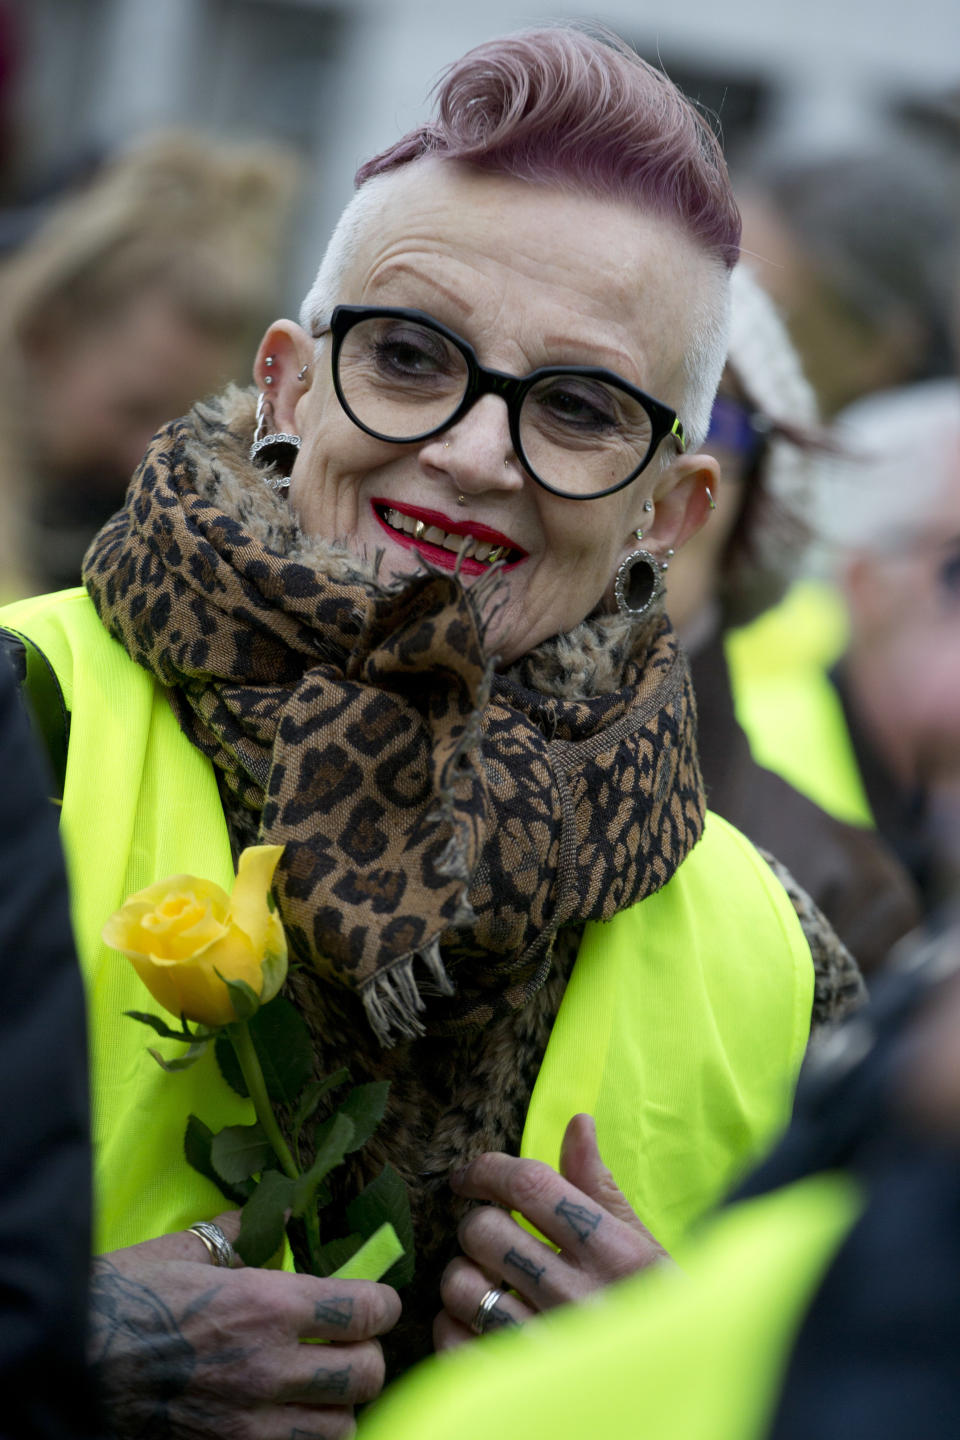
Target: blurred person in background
{"type": "Point", "coordinates": [858, 249]}
{"type": "Point", "coordinates": [765, 433]}
{"type": "Point", "coordinates": [143, 290]}
{"type": "Point", "coordinates": [852, 690]}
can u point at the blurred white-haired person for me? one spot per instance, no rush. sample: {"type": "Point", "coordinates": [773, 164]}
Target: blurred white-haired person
{"type": "Point", "coordinates": [765, 432]}
{"type": "Point", "coordinates": [891, 528]}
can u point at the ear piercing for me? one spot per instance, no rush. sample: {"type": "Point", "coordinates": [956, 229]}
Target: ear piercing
{"type": "Point", "coordinates": [713, 503]}
{"type": "Point", "coordinates": [665, 564]}
{"type": "Point", "coordinates": [268, 379]}
{"type": "Point", "coordinates": [647, 506]}
{"type": "Point", "coordinates": [302, 371]}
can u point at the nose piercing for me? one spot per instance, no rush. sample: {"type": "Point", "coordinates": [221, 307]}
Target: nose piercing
{"type": "Point", "coordinates": [506, 464]}
{"type": "Point", "coordinates": [446, 444]}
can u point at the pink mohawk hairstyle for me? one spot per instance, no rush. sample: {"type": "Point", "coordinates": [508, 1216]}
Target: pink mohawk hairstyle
{"type": "Point", "coordinates": [563, 106]}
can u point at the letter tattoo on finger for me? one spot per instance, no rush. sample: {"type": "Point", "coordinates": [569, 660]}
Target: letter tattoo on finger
{"type": "Point", "coordinates": [338, 1311]}
{"type": "Point", "coordinates": [582, 1222]}
{"type": "Point", "coordinates": [330, 1382]}
{"type": "Point", "coordinates": [497, 1318]}
{"type": "Point", "coordinates": [524, 1264]}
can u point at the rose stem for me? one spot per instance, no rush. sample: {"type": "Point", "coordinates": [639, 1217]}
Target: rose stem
{"type": "Point", "coordinates": [253, 1074]}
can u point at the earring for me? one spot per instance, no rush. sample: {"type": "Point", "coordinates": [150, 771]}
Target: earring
{"type": "Point", "coordinates": [713, 503]}
{"type": "Point", "coordinates": [665, 563]}
{"type": "Point", "coordinates": [302, 371]}
{"type": "Point", "coordinates": [647, 506]}
{"type": "Point", "coordinates": [270, 448]}
{"type": "Point", "coordinates": [638, 585]}
{"type": "Point", "coordinates": [639, 532]}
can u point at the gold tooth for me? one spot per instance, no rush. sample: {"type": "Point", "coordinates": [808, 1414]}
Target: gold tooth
{"type": "Point", "coordinates": [418, 530]}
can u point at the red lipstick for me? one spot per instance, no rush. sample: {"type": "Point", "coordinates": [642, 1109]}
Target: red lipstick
{"type": "Point", "coordinates": [509, 550]}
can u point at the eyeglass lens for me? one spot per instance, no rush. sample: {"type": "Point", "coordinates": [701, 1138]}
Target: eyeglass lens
{"type": "Point", "coordinates": [579, 435]}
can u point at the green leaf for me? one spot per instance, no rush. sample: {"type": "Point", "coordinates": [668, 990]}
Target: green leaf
{"type": "Point", "coordinates": [243, 997]}
{"type": "Point", "coordinates": [386, 1199]}
{"type": "Point", "coordinates": [282, 1042]}
{"type": "Point", "coordinates": [364, 1106]}
{"type": "Point", "coordinates": [262, 1219]}
{"type": "Point", "coordinates": [240, 1151]}
{"type": "Point", "coordinates": [331, 1149]}
{"type": "Point", "coordinates": [184, 1061]}
{"type": "Point", "coordinates": [161, 1026]}
{"type": "Point", "coordinates": [312, 1096]}
{"type": "Point", "coordinates": [337, 1252]}
{"type": "Point", "coordinates": [197, 1142]}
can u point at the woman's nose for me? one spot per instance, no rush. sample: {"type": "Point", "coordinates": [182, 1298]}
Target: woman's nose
{"type": "Point", "coordinates": [478, 452]}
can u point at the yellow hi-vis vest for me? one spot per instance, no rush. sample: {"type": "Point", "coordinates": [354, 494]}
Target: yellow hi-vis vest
{"type": "Point", "coordinates": [698, 1355]}
{"type": "Point", "coordinates": [788, 706]}
{"type": "Point", "coordinates": [682, 1028]}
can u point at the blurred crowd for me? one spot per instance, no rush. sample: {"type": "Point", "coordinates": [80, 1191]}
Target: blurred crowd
{"type": "Point", "coordinates": [820, 612]}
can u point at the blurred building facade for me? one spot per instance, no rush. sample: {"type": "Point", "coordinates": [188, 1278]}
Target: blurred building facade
{"type": "Point", "coordinates": [339, 81]}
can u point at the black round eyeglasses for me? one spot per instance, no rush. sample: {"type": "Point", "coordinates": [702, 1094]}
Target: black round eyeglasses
{"type": "Point", "coordinates": [578, 430]}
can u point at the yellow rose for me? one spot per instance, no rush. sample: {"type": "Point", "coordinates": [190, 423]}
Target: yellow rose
{"type": "Point", "coordinates": [179, 932]}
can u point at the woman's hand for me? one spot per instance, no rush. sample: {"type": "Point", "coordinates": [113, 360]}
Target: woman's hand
{"type": "Point", "coordinates": [182, 1348]}
{"type": "Point", "coordinates": [581, 1210]}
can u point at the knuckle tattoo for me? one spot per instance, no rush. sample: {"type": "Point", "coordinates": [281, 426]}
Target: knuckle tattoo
{"type": "Point", "coordinates": [337, 1311]}
{"type": "Point", "coordinates": [327, 1381]}
{"type": "Point", "coordinates": [582, 1222]}
{"type": "Point", "coordinates": [525, 1265]}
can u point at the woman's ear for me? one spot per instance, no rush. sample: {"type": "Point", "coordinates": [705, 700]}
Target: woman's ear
{"type": "Point", "coordinates": [683, 496]}
{"type": "Point", "coordinates": [289, 348]}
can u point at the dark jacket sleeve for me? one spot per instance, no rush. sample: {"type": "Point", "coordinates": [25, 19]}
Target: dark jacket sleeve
{"type": "Point", "coordinates": [44, 1133]}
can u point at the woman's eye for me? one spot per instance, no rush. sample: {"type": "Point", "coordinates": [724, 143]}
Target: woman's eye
{"type": "Point", "coordinates": [578, 408]}
{"type": "Point", "coordinates": [417, 354]}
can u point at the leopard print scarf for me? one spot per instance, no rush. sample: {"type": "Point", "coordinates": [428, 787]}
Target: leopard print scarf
{"type": "Point", "coordinates": [441, 821]}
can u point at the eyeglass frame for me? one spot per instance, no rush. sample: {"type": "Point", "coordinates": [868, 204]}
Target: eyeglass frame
{"type": "Point", "coordinates": [512, 389]}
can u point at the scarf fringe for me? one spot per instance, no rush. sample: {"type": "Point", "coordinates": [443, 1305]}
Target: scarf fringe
{"type": "Point", "coordinates": [393, 1000]}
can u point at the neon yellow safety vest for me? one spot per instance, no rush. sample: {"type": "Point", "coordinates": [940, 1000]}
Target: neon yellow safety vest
{"type": "Point", "coordinates": [682, 1028]}
{"type": "Point", "coordinates": [787, 705]}
{"type": "Point", "coordinates": [698, 1355]}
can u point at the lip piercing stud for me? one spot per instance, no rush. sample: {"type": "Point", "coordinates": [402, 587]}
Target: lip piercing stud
{"type": "Point", "coordinates": [418, 530]}
{"type": "Point", "coordinates": [461, 499]}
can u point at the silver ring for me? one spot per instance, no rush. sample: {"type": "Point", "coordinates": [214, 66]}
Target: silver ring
{"type": "Point", "coordinates": [488, 1304]}
{"type": "Point", "coordinates": [219, 1249]}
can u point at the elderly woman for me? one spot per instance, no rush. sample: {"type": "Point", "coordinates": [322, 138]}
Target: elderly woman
{"type": "Point", "coordinates": [405, 622]}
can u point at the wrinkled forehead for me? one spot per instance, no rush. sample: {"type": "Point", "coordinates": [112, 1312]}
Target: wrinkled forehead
{"type": "Point", "coordinates": [616, 263]}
